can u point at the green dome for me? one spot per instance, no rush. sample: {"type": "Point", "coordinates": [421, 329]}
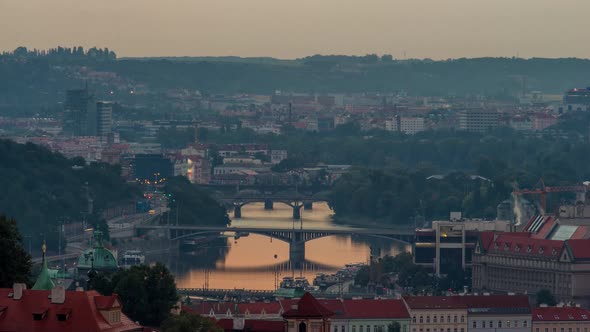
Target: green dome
{"type": "Point", "coordinates": [103, 258]}
{"type": "Point", "coordinates": [44, 280]}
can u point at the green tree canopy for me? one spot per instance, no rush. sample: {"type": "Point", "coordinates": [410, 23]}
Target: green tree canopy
{"type": "Point", "coordinates": [544, 296]}
{"type": "Point", "coordinates": [147, 293]}
{"type": "Point", "coordinates": [193, 204]}
{"type": "Point", "coordinates": [15, 262]}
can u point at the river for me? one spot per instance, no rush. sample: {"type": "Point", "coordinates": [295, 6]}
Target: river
{"type": "Point", "coordinates": [259, 262]}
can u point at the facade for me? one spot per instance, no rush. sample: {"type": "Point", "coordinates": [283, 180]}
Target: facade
{"type": "Point", "coordinates": [436, 314]}
{"type": "Point", "coordinates": [478, 120]}
{"type": "Point", "coordinates": [519, 262]}
{"type": "Point", "coordinates": [560, 319]}
{"type": "Point", "coordinates": [469, 313]}
{"type": "Point", "coordinates": [79, 113]}
{"type": "Point", "coordinates": [307, 315]}
{"type": "Point", "coordinates": [24, 310]}
{"type": "Point", "coordinates": [411, 125]}
{"type": "Point", "coordinates": [449, 245]}
{"type": "Point", "coordinates": [104, 119]}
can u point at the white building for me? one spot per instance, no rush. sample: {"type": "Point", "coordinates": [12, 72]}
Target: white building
{"type": "Point", "coordinates": [411, 125]}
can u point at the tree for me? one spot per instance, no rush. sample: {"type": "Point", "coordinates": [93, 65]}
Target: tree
{"type": "Point", "coordinates": [544, 296]}
{"type": "Point", "coordinates": [186, 322]}
{"type": "Point", "coordinates": [394, 327]}
{"type": "Point", "coordinates": [147, 293]}
{"type": "Point", "coordinates": [15, 262]}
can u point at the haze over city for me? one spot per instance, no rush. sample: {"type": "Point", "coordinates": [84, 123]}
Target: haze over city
{"type": "Point", "coordinates": [292, 29]}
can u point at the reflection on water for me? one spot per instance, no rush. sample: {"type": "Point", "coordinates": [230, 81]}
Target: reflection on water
{"type": "Point", "coordinates": [257, 262]}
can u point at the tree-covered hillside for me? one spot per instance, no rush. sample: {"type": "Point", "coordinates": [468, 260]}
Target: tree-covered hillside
{"type": "Point", "coordinates": [42, 188]}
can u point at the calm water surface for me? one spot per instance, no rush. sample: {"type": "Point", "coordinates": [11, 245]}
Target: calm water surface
{"type": "Point", "coordinates": [259, 262]}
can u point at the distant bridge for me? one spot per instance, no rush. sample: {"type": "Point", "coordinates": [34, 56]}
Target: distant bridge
{"type": "Point", "coordinates": [295, 237]}
{"type": "Point", "coordinates": [294, 196]}
{"type": "Point", "coordinates": [245, 294]}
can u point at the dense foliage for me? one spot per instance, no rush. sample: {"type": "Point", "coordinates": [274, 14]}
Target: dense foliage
{"type": "Point", "coordinates": [147, 293]}
{"type": "Point", "coordinates": [43, 189]}
{"type": "Point", "coordinates": [190, 204]}
{"type": "Point", "coordinates": [15, 262]}
{"type": "Point", "coordinates": [402, 272]}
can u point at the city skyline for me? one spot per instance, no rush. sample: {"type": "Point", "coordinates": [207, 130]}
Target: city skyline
{"type": "Point", "coordinates": [282, 29]}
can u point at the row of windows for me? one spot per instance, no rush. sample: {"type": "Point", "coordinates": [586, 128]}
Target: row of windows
{"type": "Point", "coordinates": [439, 330]}
{"type": "Point", "coordinates": [376, 328]}
{"type": "Point", "coordinates": [490, 324]}
{"type": "Point", "coordinates": [434, 319]}
{"type": "Point", "coordinates": [561, 330]}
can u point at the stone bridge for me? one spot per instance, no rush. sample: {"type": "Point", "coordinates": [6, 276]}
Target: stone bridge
{"type": "Point", "coordinates": [295, 237]}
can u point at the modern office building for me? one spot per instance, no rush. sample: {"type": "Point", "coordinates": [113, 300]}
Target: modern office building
{"type": "Point", "coordinates": [449, 245]}
{"type": "Point", "coordinates": [479, 120]}
{"type": "Point", "coordinates": [79, 113]}
{"type": "Point", "coordinates": [104, 119]}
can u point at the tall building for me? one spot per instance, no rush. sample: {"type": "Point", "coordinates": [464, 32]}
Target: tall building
{"type": "Point", "coordinates": [79, 113]}
{"type": "Point", "coordinates": [104, 119]}
{"type": "Point", "coordinates": [479, 120]}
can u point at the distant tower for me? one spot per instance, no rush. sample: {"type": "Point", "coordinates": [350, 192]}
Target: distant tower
{"type": "Point", "coordinates": [104, 119]}
{"type": "Point", "coordinates": [79, 113]}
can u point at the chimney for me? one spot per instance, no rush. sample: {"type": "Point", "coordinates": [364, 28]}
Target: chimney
{"type": "Point", "coordinates": [17, 290]}
{"type": "Point", "coordinates": [58, 294]}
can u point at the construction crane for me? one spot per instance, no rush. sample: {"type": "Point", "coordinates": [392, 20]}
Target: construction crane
{"type": "Point", "coordinates": [557, 189]}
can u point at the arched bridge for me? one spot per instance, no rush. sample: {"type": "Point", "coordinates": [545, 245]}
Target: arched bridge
{"type": "Point", "coordinates": [293, 197]}
{"type": "Point", "coordinates": [295, 237]}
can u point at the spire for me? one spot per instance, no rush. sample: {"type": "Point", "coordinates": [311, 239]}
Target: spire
{"type": "Point", "coordinates": [44, 280]}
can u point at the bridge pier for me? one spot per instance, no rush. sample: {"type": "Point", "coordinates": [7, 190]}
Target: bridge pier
{"type": "Point", "coordinates": [297, 251]}
{"type": "Point", "coordinates": [308, 206]}
{"type": "Point", "coordinates": [297, 211]}
{"type": "Point", "coordinates": [237, 211]}
{"type": "Point", "coordinates": [268, 204]}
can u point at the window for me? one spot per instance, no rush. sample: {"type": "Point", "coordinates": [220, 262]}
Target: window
{"type": "Point", "coordinates": [455, 319]}
{"type": "Point", "coordinates": [462, 319]}
{"type": "Point", "coordinates": [354, 328]}
{"type": "Point", "coordinates": [483, 324]}
{"type": "Point", "coordinates": [491, 324]}
{"type": "Point", "coordinates": [554, 329]}
{"type": "Point", "coordinates": [442, 319]}
{"type": "Point", "coordinates": [414, 319]}
{"type": "Point", "coordinates": [507, 323]}
{"type": "Point", "coordinates": [335, 328]}
{"type": "Point", "coordinates": [474, 324]}
{"type": "Point", "coordinates": [434, 319]}
{"type": "Point", "coordinates": [421, 320]}
{"type": "Point", "coordinates": [515, 323]}
{"type": "Point", "coordinates": [562, 329]}
{"type": "Point", "coordinates": [342, 329]}
{"type": "Point", "coordinates": [428, 319]}
{"type": "Point", "coordinates": [499, 324]}
{"type": "Point", "coordinates": [525, 323]}
{"type": "Point", "coordinates": [537, 330]}
{"type": "Point", "coordinates": [361, 328]}
{"type": "Point", "coordinates": [462, 330]}
{"type": "Point", "coordinates": [448, 319]}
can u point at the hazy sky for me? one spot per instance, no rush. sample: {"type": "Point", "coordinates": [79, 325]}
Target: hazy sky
{"type": "Point", "coordinates": [290, 29]}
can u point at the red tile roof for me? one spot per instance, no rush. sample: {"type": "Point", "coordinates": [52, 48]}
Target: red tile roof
{"type": "Point", "coordinates": [253, 325]}
{"type": "Point", "coordinates": [580, 248]}
{"type": "Point", "coordinates": [519, 244]}
{"type": "Point", "coordinates": [468, 302]}
{"type": "Point", "coordinates": [560, 314]}
{"type": "Point", "coordinates": [376, 309]}
{"type": "Point", "coordinates": [85, 316]}
{"type": "Point", "coordinates": [106, 302]}
{"type": "Point", "coordinates": [308, 307]}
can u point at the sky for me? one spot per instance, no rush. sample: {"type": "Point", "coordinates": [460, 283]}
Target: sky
{"type": "Point", "coordinates": [437, 29]}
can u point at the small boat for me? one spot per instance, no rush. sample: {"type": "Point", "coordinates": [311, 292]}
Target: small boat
{"type": "Point", "coordinates": [131, 258]}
